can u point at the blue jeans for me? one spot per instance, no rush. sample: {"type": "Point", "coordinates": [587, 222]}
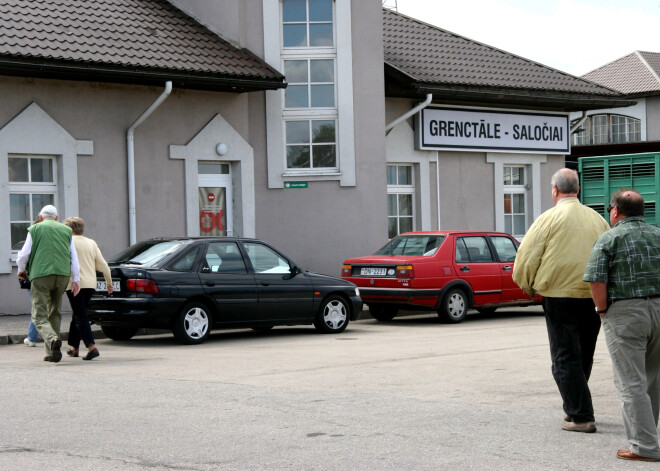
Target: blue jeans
{"type": "Point", "coordinates": [32, 330]}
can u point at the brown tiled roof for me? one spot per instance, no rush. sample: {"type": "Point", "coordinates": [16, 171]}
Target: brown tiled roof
{"type": "Point", "coordinates": [433, 58]}
{"type": "Point", "coordinates": [638, 73]}
{"type": "Point", "coordinates": [124, 36]}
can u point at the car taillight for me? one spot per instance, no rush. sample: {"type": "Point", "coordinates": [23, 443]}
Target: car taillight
{"type": "Point", "coordinates": [404, 271]}
{"type": "Point", "coordinates": [346, 270]}
{"type": "Point", "coordinates": [142, 286]}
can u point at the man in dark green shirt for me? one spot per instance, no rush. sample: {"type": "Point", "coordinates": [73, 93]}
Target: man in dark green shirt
{"type": "Point", "coordinates": [624, 272]}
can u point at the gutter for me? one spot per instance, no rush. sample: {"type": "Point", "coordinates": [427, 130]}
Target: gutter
{"type": "Point", "coordinates": [130, 151]}
{"type": "Point", "coordinates": [421, 106]}
{"type": "Point", "coordinates": [577, 125]}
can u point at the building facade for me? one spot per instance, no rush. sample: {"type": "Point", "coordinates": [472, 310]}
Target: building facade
{"type": "Point", "coordinates": [270, 119]}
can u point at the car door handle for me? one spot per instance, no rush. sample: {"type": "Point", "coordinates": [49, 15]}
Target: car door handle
{"type": "Point", "coordinates": [465, 268]}
{"type": "Point", "coordinates": [506, 268]}
{"type": "Point", "coordinates": [210, 283]}
{"type": "Point", "coordinates": [265, 283]}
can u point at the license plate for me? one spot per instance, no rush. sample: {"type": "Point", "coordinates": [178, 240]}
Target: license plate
{"type": "Point", "coordinates": [369, 271]}
{"type": "Point", "coordinates": [102, 286]}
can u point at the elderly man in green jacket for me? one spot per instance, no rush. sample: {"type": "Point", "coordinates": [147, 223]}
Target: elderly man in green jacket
{"type": "Point", "coordinates": [551, 261]}
{"type": "Point", "coordinates": [48, 258]}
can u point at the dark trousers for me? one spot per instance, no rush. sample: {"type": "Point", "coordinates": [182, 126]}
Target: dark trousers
{"type": "Point", "coordinates": [573, 327]}
{"type": "Point", "coordinates": [80, 327]}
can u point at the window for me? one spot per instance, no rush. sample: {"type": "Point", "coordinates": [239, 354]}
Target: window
{"type": "Point", "coordinates": [185, 263]}
{"type": "Point", "coordinates": [307, 23]}
{"type": "Point", "coordinates": [400, 200]}
{"type": "Point", "coordinates": [505, 248]}
{"type": "Point", "coordinates": [472, 250]}
{"type": "Point", "coordinates": [310, 98]}
{"type": "Point", "coordinates": [311, 144]}
{"type": "Point", "coordinates": [266, 260]}
{"type": "Point", "coordinates": [515, 204]}
{"type": "Point", "coordinates": [223, 257]}
{"type": "Point", "coordinates": [608, 129]}
{"type": "Point", "coordinates": [31, 186]}
{"type": "Point", "coordinates": [303, 39]}
{"type": "Point", "coordinates": [311, 83]}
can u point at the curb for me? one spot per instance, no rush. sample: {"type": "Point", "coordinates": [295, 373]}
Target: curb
{"type": "Point", "coordinates": [17, 339]}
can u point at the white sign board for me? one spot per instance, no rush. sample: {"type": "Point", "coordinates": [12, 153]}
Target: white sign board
{"type": "Point", "coordinates": [472, 129]}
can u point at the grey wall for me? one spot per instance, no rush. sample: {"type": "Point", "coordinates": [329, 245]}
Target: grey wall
{"type": "Point", "coordinates": [466, 191]}
{"type": "Point", "coordinates": [322, 225]}
{"type": "Point", "coordinates": [102, 113]}
{"type": "Point", "coordinates": [653, 118]}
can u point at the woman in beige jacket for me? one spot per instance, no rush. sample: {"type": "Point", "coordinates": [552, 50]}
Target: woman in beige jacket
{"type": "Point", "coordinates": [91, 260]}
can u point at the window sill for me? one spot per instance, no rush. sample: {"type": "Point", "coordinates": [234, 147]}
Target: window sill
{"type": "Point", "coordinates": [316, 175]}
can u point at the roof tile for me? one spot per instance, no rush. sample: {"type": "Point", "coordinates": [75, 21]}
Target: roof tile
{"type": "Point", "coordinates": [636, 73]}
{"type": "Point", "coordinates": [133, 33]}
{"type": "Point", "coordinates": [432, 55]}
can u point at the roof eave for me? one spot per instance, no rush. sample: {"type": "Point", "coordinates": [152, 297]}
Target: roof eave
{"type": "Point", "coordinates": [95, 72]}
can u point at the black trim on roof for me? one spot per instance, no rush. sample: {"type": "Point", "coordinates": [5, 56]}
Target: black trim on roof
{"type": "Point", "coordinates": [95, 72]}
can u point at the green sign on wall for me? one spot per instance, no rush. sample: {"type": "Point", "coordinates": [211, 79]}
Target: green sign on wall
{"type": "Point", "coordinates": [296, 184]}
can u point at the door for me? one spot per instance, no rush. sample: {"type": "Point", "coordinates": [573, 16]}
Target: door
{"type": "Point", "coordinates": [505, 249]}
{"type": "Point", "coordinates": [474, 263]}
{"type": "Point", "coordinates": [226, 279]}
{"type": "Point", "coordinates": [215, 199]}
{"type": "Point", "coordinates": [283, 295]}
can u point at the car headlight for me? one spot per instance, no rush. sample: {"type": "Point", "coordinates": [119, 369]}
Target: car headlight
{"type": "Point", "coordinates": [357, 292]}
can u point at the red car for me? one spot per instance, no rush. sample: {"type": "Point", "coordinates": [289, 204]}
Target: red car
{"type": "Point", "coordinates": [443, 271]}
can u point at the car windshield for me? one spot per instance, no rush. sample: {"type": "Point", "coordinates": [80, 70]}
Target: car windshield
{"type": "Point", "coordinates": [425, 245]}
{"type": "Point", "coordinates": [146, 253]}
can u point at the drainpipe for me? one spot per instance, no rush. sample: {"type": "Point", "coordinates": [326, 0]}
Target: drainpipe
{"type": "Point", "coordinates": [579, 123]}
{"type": "Point", "coordinates": [417, 108]}
{"type": "Point", "coordinates": [132, 220]}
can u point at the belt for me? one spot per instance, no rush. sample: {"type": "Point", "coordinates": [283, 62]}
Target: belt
{"type": "Point", "coordinates": [653, 296]}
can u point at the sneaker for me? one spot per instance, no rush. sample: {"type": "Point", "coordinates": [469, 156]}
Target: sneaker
{"type": "Point", "coordinates": [584, 427]}
{"type": "Point", "coordinates": [29, 342]}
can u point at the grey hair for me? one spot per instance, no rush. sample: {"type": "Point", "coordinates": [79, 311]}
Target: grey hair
{"type": "Point", "coordinates": [566, 180]}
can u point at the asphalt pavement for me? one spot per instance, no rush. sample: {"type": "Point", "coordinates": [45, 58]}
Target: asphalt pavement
{"type": "Point", "coordinates": [412, 394]}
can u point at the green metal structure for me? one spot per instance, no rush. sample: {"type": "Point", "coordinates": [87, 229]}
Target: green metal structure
{"type": "Point", "coordinates": [600, 177]}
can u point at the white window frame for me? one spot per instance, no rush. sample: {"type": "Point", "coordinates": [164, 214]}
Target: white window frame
{"type": "Point", "coordinates": [34, 132]}
{"type": "Point", "coordinates": [274, 55]}
{"type": "Point", "coordinates": [30, 188]}
{"type": "Point", "coordinates": [534, 162]}
{"type": "Point", "coordinates": [518, 189]}
{"type": "Point", "coordinates": [398, 189]}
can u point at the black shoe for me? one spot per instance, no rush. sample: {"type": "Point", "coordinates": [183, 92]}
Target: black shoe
{"type": "Point", "coordinates": [91, 355]}
{"type": "Point", "coordinates": [72, 353]}
{"type": "Point", "coordinates": [55, 349]}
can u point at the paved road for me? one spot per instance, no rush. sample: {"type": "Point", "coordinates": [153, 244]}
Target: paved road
{"type": "Point", "coordinates": [413, 394]}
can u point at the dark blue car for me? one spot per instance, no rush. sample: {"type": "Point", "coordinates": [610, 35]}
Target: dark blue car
{"type": "Point", "coordinates": [193, 285]}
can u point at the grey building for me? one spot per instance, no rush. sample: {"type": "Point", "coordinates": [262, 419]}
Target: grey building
{"type": "Point", "coordinates": [477, 154]}
{"type": "Point", "coordinates": [272, 119]}
{"type": "Point", "coordinates": [228, 150]}
{"type": "Point", "coordinates": [629, 130]}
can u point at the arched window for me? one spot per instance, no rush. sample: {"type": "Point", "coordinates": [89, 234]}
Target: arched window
{"type": "Point", "coordinates": [608, 129]}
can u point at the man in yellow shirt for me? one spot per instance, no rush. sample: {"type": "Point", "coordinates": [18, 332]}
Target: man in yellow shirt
{"type": "Point", "coordinates": [551, 262]}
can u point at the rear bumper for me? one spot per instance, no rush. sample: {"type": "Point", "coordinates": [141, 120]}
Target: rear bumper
{"type": "Point", "coordinates": [133, 312]}
{"type": "Point", "coordinates": [425, 298]}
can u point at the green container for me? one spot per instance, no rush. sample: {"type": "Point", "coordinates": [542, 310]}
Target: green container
{"type": "Point", "coordinates": [601, 177]}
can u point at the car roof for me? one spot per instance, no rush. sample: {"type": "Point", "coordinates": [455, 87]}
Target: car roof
{"type": "Point", "coordinates": [450, 232]}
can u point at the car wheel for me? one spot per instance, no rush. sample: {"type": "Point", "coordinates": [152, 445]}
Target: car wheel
{"type": "Point", "coordinates": [486, 310]}
{"type": "Point", "coordinates": [332, 317]}
{"type": "Point", "coordinates": [454, 306]}
{"type": "Point", "coordinates": [382, 313]}
{"type": "Point", "coordinates": [119, 333]}
{"type": "Point", "coordinates": [193, 325]}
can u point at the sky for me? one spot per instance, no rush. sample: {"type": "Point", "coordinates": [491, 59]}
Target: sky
{"type": "Point", "coordinates": [574, 36]}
